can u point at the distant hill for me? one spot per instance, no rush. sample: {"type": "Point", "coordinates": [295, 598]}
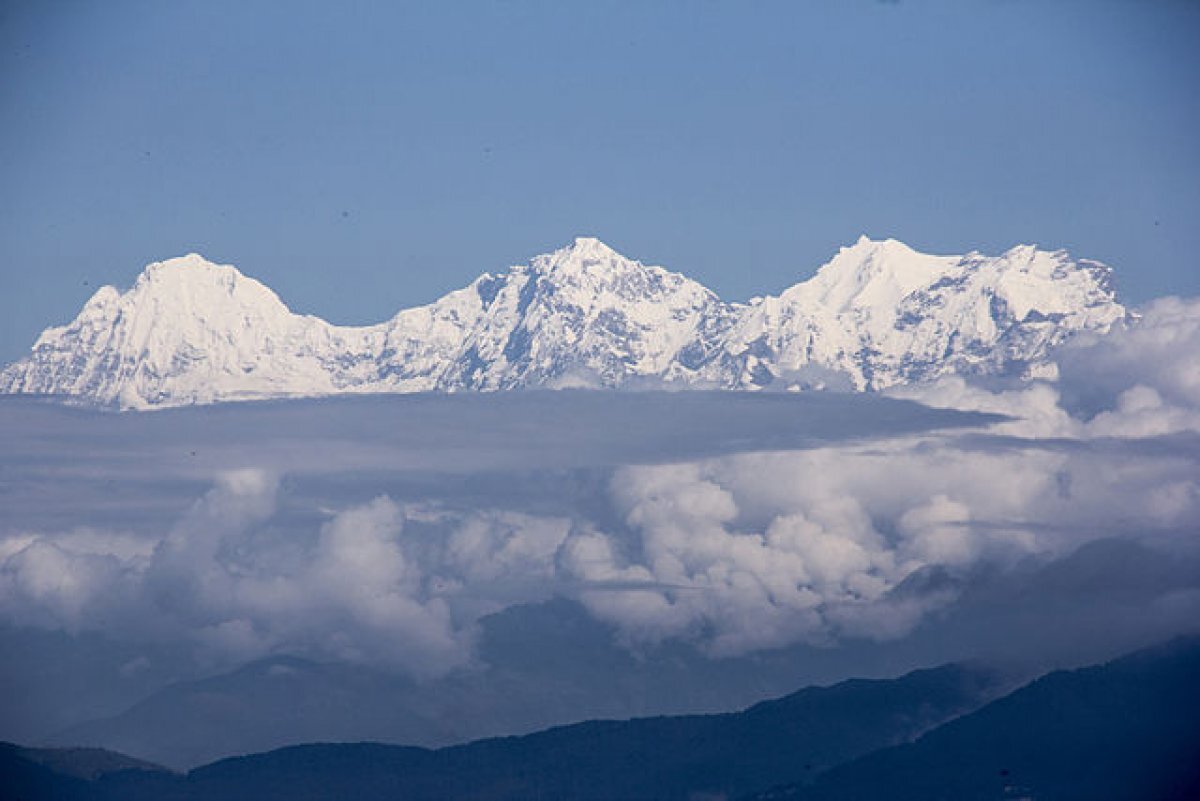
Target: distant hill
{"type": "Point", "coordinates": [1125, 731]}
{"type": "Point", "coordinates": [66, 774]}
{"type": "Point", "coordinates": [542, 665]}
{"type": "Point", "coordinates": [650, 758]}
{"type": "Point", "coordinates": [1128, 730]}
{"type": "Point", "coordinates": [86, 763]}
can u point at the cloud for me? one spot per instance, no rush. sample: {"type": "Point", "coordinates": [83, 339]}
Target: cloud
{"type": "Point", "coordinates": [735, 553]}
{"type": "Point", "coordinates": [1141, 379]}
{"type": "Point", "coordinates": [220, 579]}
{"type": "Point", "coordinates": [382, 531]}
{"type": "Point", "coordinates": [812, 546]}
{"type": "Point", "coordinates": [1160, 350]}
{"type": "Point", "coordinates": [778, 547]}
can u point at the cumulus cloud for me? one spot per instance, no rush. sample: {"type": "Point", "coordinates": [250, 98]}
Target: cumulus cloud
{"type": "Point", "coordinates": [736, 524]}
{"type": "Point", "coordinates": [772, 548]}
{"type": "Point", "coordinates": [736, 553]}
{"type": "Point", "coordinates": [1141, 379]}
{"type": "Point", "coordinates": [761, 550]}
{"type": "Point", "coordinates": [1160, 349]}
{"type": "Point", "coordinates": [227, 578]}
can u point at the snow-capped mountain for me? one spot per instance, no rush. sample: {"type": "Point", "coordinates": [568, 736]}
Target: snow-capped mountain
{"type": "Point", "coordinates": [878, 314]}
{"type": "Point", "coordinates": [881, 314]}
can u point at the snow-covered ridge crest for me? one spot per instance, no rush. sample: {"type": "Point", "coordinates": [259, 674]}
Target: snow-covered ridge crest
{"type": "Point", "coordinates": [877, 314]}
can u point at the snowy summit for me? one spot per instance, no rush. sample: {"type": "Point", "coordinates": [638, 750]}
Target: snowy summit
{"type": "Point", "coordinates": [878, 314]}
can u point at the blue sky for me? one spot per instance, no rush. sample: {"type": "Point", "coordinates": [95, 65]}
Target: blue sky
{"type": "Point", "coordinates": [362, 157]}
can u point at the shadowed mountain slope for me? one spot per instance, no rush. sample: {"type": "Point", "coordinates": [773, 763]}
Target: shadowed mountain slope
{"type": "Point", "coordinates": [1123, 730]}
{"type": "Point", "coordinates": [1128, 730]}
{"type": "Point", "coordinates": [650, 758]}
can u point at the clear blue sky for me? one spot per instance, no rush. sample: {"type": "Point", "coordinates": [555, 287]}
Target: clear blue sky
{"type": "Point", "coordinates": [361, 157]}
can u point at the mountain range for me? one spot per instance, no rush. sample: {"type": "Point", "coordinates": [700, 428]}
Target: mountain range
{"type": "Point", "coordinates": [878, 314]}
{"type": "Point", "coordinates": [1118, 731]}
{"type": "Point", "coordinates": [1127, 729]}
{"type": "Point", "coordinates": [542, 665]}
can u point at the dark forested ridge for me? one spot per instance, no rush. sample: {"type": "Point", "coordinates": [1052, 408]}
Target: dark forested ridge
{"type": "Point", "coordinates": [1125, 730]}
{"type": "Point", "coordinates": [1128, 730]}
{"type": "Point", "coordinates": [787, 739]}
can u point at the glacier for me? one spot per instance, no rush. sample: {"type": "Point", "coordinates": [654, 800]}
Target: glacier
{"type": "Point", "coordinates": [876, 315]}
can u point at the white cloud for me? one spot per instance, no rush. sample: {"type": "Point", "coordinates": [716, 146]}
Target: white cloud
{"type": "Point", "coordinates": [736, 551]}
{"type": "Point", "coordinates": [1160, 350]}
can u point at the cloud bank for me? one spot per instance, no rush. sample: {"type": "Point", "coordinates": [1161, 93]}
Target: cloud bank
{"type": "Point", "coordinates": [382, 532]}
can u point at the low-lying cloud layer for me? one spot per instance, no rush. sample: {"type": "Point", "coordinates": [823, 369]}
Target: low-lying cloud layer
{"type": "Point", "coordinates": [381, 531]}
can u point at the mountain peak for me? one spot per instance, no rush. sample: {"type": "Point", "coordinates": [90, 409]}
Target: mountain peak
{"type": "Point", "coordinates": [189, 262]}
{"type": "Point", "coordinates": [590, 244]}
{"type": "Point", "coordinates": [198, 283]}
{"type": "Point", "coordinates": [104, 297]}
{"type": "Point", "coordinates": [880, 313]}
{"type": "Point", "coordinates": [189, 259]}
{"type": "Point", "coordinates": [587, 247]}
{"type": "Point", "coordinates": [865, 243]}
{"type": "Point", "coordinates": [1026, 252]}
{"type": "Point", "coordinates": [585, 256]}
{"type": "Point", "coordinates": [863, 240]}
{"type": "Point", "coordinates": [872, 272]}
